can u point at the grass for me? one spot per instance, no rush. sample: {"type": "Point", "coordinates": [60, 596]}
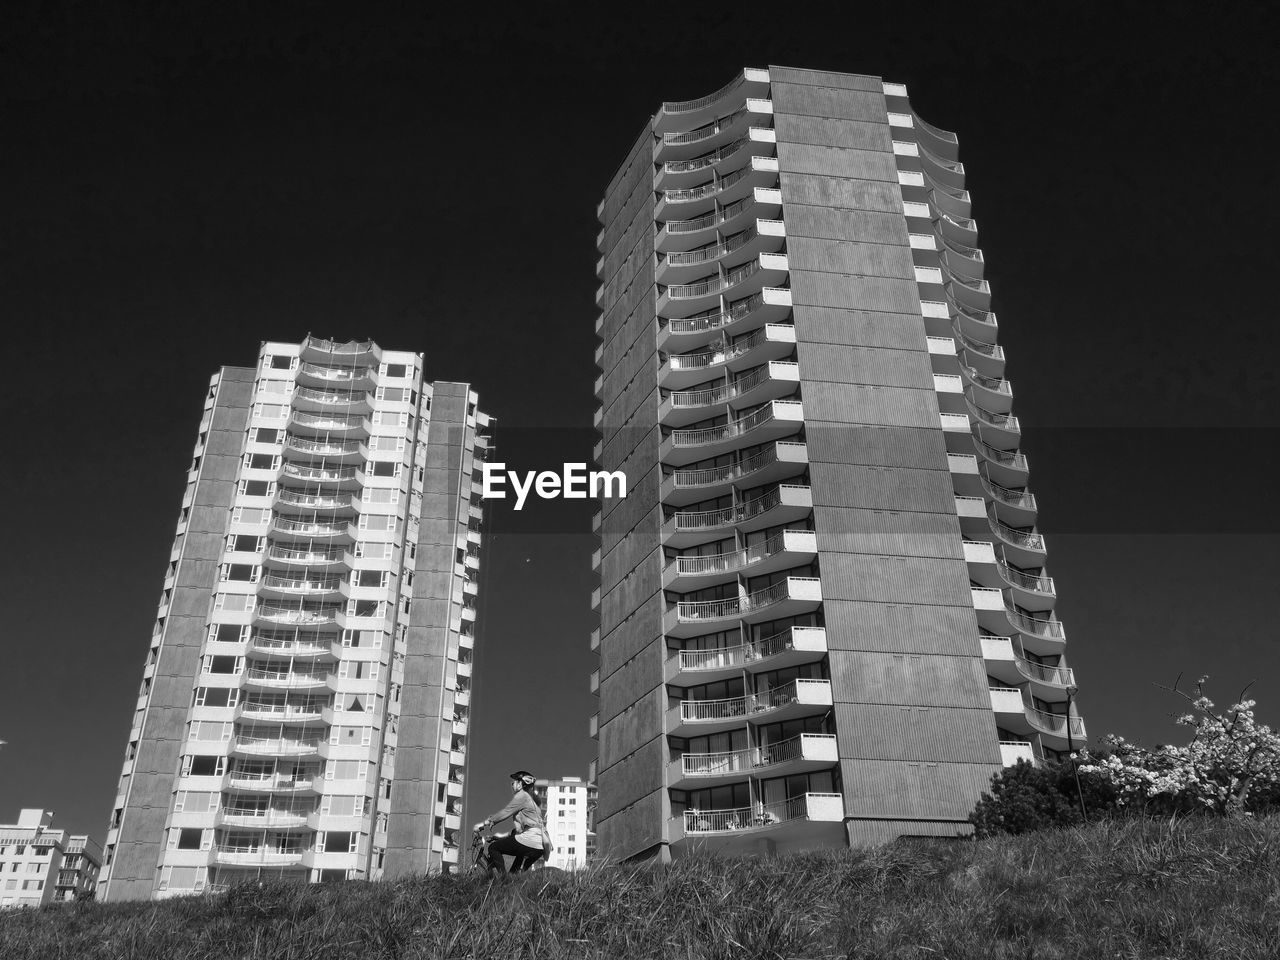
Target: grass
{"type": "Point", "coordinates": [1198, 888]}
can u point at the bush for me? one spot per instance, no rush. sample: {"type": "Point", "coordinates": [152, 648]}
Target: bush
{"type": "Point", "coordinates": [1024, 798]}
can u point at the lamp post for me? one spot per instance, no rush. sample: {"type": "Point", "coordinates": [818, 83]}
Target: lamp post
{"type": "Point", "coordinates": [1072, 690]}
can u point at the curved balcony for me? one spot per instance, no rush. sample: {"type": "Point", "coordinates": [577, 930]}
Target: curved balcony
{"type": "Point", "coordinates": [286, 679]}
{"type": "Point", "coordinates": [284, 586]}
{"type": "Point", "coordinates": [353, 353]}
{"type": "Point", "coordinates": [343, 478]}
{"type": "Point", "coordinates": [1008, 468]}
{"type": "Point", "coordinates": [1015, 507]}
{"type": "Point", "coordinates": [1000, 430]}
{"type": "Point", "coordinates": [750, 82]}
{"type": "Point", "coordinates": [802, 754]}
{"type": "Point", "coordinates": [793, 646]}
{"type": "Point", "coordinates": [961, 230]}
{"type": "Point", "coordinates": [986, 358]}
{"type": "Point", "coordinates": [762, 236]}
{"type": "Point", "coordinates": [332, 451]}
{"type": "Point", "coordinates": [786, 598]}
{"type": "Point", "coordinates": [686, 144]}
{"type": "Point", "coordinates": [245, 857]}
{"type": "Point", "coordinates": [295, 616]}
{"type": "Point", "coordinates": [940, 169]}
{"type": "Point", "coordinates": [977, 325]}
{"type": "Point", "coordinates": [1024, 547]}
{"type": "Point", "coordinates": [782, 551]}
{"type": "Point", "coordinates": [771, 305]}
{"type": "Point", "coordinates": [762, 203]}
{"type": "Point", "coordinates": [275, 819]}
{"type": "Point", "coordinates": [786, 503]}
{"type": "Point", "coordinates": [772, 421]}
{"type": "Point", "coordinates": [270, 712]}
{"type": "Point", "coordinates": [290, 500]}
{"type": "Point", "coordinates": [343, 376]}
{"type": "Point", "coordinates": [315, 646]}
{"type": "Point", "coordinates": [961, 260]}
{"type": "Point", "coordinates": [1040, 635]}
{"type": "Point", "coordinates": [1005, 662]}
{"type": "Point", "coordinates": [769, 381]}
{"type": "Point", "coordinates": [799, 698]}
{"type": "Point", "coordinates": [1030, 591]}
{"type": "Point", "coordinates": [270, 782]}
{"type": "Point", "coordinates": [759, 141]}
{"type": "Point", "coordinates": [954, 201]}
{"type": "Point", "coordinates": [782, 460]}
{"type": "Point", "coordinates": [773, 341]}
{"type": "Point", "coordinates": [275, 746]}
{"type": "Point", "coordinates": [1013, 713]}
{"type": "Point", "coordinates": [684, 299]}
{"type": "Point", "coordinates": [972, 295]}
{"type": "Point", "coordinates": [343, 402]}
{"type": "Point", "coordinates": [812, 819]}
{"type": "Point", "coordinates": [939, 142]}
{"type": "Point", "coordinates": [277, 555]}
{"type": "Point", "coordinates": [689, 202]}
{"type": "Point", "coordinates": [324, 424]}
{"type": "Point", "coordinates": [312, 530]}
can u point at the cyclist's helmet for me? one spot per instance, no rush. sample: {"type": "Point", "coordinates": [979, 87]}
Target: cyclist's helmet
{"type": "Point", "coordinates": [526, 778]}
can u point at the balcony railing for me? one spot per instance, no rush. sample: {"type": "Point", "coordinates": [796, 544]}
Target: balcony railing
{"type": "Point", "coordinates": [335, 397]}
{"type": "Point", "coordinates": [731, 471]}
{"type": "Point", "coordinates": [319, 474]}
{"type": "Point", "coordinates": [1017, 498]}
{"type": "Point", "coordinates": [736, 606]}
{"type": "Point", "coordinates": [715, 319]}
{"type": "Point", "coordinates": [750, 818]}
{"type": "Point", "coordinates": [323, 448]}
{"type": "Point", "coordinates": [707, 159]}
{"type": "Point", "coordinates": [287, 677]}
{"type": "Point", "coordinates": [691, 566]}
{"type": "Point", "coordinates": [302, 584]}
{"type": "Point", "coordinates": [1039, 583]}
{"type": "Point", "coordinates": [711, 251]}
{"type": "Point", "coordinates": [1021, 538]}
{"type": "Point", "coordinates": [1049, 628]}
{"type": "Point", "coordinates": [1010, 458]}
{"type": "Point", "coordinates": [704, 132]}
{"type": "Point", "coordinates": [737, 513]}
{"type": "Point", "coordinates": [309, 528]}
{"type": "Point", "coordinates": [706, 189]}
{"type": "Point", "coordinates": [699, 361]}
{"type": "Point", "coordinates": [320, 421]}
{"type": "Point", "coordinates": [1055, 723]}
{"type": "Point", "coordinates": [688, 106]}
{"type": "Point", "coordinates": [1057, 676]}
{"type": "Point", "coordinates": [724, 431]}
{"type": "Point", "coordinates": [332, 346]}
{"type": "Point", "coordinates": [742, 761]}
{"type": "Point", "coordinates": [336, 374]}
{"type": "Point", "coordinates": [710, 219]}
{"type": "Point", "coordinates": [313, 501]}
{"type": "Point", "coordinates": [269, 611]}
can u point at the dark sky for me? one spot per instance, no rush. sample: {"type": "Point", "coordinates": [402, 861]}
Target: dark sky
{"type": "Point", "coordinates": [181, 182]}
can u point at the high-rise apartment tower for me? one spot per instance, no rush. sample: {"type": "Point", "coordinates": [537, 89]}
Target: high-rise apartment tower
{"type": "Point", "coordinates": [304, 703]}
{"type": "Point", "coordinates": [824, 613]}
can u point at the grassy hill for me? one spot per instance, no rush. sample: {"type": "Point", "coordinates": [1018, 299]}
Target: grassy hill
{"type": "Point", "coordinates": [1202, 888]}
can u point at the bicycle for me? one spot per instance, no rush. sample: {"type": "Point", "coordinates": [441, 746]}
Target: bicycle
{"type": "Point", "coordinates": [482, 862]}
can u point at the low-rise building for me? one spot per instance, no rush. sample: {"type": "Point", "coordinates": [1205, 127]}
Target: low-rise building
{"type": "Point", "coordinates": [39, 864]}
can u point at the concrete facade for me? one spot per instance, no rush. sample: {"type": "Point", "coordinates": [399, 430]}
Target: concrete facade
{"type": "Point", "coordinates": [824, 615]}
{"type": "Point", "coordinates": [305, 701]}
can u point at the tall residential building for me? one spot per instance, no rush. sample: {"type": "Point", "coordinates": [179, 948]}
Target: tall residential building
{"type": "Point", "coordinates": [40, 865]}
{"type": "Point", "coordinates": [304, 703]}
{"type": "Point", "coordinates": [825, 617]}
{"type": "Point", "coordinates": [568, 805]}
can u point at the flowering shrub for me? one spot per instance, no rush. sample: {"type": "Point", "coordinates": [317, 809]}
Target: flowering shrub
{"type": "Point", "coordinates": [1024, 797]}
{"type": "Point", "coordinates": [1230, 766]}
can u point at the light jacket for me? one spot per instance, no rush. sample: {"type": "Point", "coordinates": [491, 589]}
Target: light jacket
{"type": "Point", "coordinates": [532, 831]}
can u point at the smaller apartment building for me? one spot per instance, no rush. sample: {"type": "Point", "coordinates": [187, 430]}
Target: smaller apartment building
{"type": "Point", "coordinates": [569, 806]}
{"type": "Point", "coordinates": [39, 864]}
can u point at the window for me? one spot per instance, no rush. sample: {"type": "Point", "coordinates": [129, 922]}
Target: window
{"type": "Point", "coordinates": [340, 806]}
{"type": "Point", "coordinates": [384, 468]}
{"type": "Point", "coordinates": [245, 572]}
{"type": "Point", "coordinates": [215, 697]}
{"type": "Point", "coordinates": [189, 838]}
{"type": "Point", "coordinates": [34, 867]}
{"type": "Point", "coordinates": [224, 664]}
{"type": "Point", "coordinates": [203, 766]}
{"type": "Point", "coordinates": [372, 578]}
{"type": "Point", "coordinates": [397, 370]}
{"type": "Point", "coordinates": [338, 841]}
{"type": "Point", "coordinates": [230, 632]}
{"type": "Point", "coordinates": [266, 435]}
{"type": "Point", "coordinates": [32, 884]}
{"type": "Point", "coordinates": [255, 488]}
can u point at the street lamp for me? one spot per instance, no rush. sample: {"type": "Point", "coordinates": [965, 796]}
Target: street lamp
{"type": "Point", "coordinates": [1072, 690]}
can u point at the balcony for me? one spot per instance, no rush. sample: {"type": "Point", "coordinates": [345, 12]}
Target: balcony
{"type": "Point", "coordinates": [1026, 548]}
{"type": "Point", "coordinates": [799, 698]}
{"type": "Point", "coordinates": [1005, 661]}
{"type": "Point", "coordinates": [1007, 468]}
{"type": "Point", "coordinates": [759, 141]}
{"type": "Point", "coordinates": [1056, 730]}
{"type": "Point", "coordinates": [763, 236]}
{"type": "Point", "coordinates": [764, 203]}
{"type": "Point", "coordinates": [686, 144]}
{"type": "Point", "coordinates": [257, 857]}
{"type": "Point", "coordinates": [278, 555]}
{"type": "Point", "coordinates": [770, 306]}
{"type": "Point", "coordinates": [782, 460]}
{"type": "Point", "coordinates": [786, 598]}
{"type": "Point", "coordinates": [685, 299]}
{"type": "Point", "coordinates": [326, 424]}
{"type": "Point", "coordinates": [342, 402]}
{"type": "Point", "coordinates": [299, 713]}
{"type": "Point", "coordinates": [791, 647]}
{"type": "Point", "coordinates": [802, 754]}
{"type": "Point", "coordinates": [770, 422]}
{"type": "Point", "coordinates": [961, 259]}
{"type": "Point", "coordinates": [979, 326]}
{"type": "Point", "coordinates": [286, 679]}
{"type": "Point", "coordinates": [332, 451]}
{"type": "Point", "coordinates": [275, 747]}
{"type": "Point", "coordinates": [991, 394]}
{"type": "Point", "coordinates": [791, 548]}
{"type": "Point", "coordinates": [263, 819]}
{"type": "Point", "coordinates": [300, 586]}
{"type": "Point", "coordinates": [295, 616]}
{"type": "Point", "coordinates": [344, 376]}
{"type": "Point", "coordinates": [986, 358]}
{"type": "Point", "coordinates": [312, 530]}
{"type": "Point", "coordinates": [999, 430]}
{"type": "Point", "coordinates": [352, 353]}
{"type": "Point", "coordinates": [687, 202]}
{"type": "Point", "coordinates": [1015, 507]}
{"type": "Point", "coordinates": [294, 501]}
{"type": "Point", "coordinates": [811, 819]}
{"type": "Point", "coordinates": [343, 478]}
{"type": "Point", "coordinates": [687, 113]}
{"type": "Point", "coordinates": [773, 341]}
{"type": "Point", "coordinates": [271, 782]}
{"type": "Point", "coordinates": [786, 503]}
{"type": "Point", "coordinates": [769, 381]}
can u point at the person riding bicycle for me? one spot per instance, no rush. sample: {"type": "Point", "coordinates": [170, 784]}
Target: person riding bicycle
{"type": "Point", "coordinates": [530, 840]}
